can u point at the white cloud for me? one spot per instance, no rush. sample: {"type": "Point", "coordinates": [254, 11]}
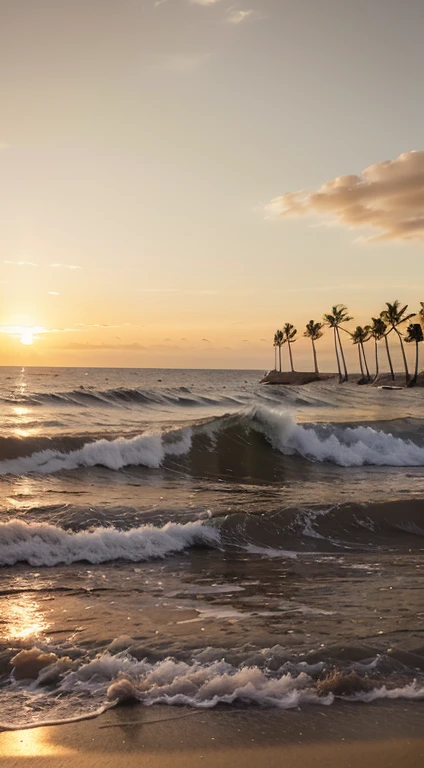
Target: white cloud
{"type": "Point", "coordinates": [22, 263]}
{"type": "Point", "coordinates": [65, 266]}
{"type": "Point", "coordinates": [387, 196]}
{"type": "Point", "coordinates": [237, 17]}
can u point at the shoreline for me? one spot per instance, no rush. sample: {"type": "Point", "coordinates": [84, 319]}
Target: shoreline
{"type": "Point", "coordinates": [373, 735]}
{"type": "Point", "coordinates": [299, 378]}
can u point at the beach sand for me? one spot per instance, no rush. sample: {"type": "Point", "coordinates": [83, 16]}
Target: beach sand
{"type": "Point", "coordinates": [372, 736]}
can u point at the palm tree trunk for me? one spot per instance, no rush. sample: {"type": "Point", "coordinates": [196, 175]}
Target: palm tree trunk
{"type": "Point", "coordinates": [315, 357]}
{"type": "Point", "coordinates": [275, 358]}
{"type": "Point", "coordinates": [389, 358]}
{"type": "Point", "coordinates": [405, 362]}
{"type": "Point", "coordinates": [279, 356]}
{"type": "Point", "coordinates": [343, 357]}
{"type": "Point", "coordinates": [376, 360]}
{"type": "Point", "coordinates": [291, 357]}
{"type": "Point", "coordinates": [360, 361]}
{"type": "Point", "coordinates": [414, 380]}
{"type": "Point", "coordinates": [365, 361]}
{"type": "Point", "coordinates": [337, 356]}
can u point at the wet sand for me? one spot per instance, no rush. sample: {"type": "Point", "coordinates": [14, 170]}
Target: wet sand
{"type": "Point", "coordinates": [373, 736]}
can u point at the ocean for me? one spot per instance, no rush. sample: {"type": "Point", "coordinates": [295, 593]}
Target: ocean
{"type": "Point", "coordinates": [187, 537]}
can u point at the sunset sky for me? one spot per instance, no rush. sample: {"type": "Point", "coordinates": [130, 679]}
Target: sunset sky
{"type": "Point", "coordinates": [167, 175]}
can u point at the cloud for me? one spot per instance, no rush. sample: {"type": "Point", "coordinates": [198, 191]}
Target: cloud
{"type": "Point", "coordinates": [205, 2]}
{"type": "Point", "coordinates": [387, 196]}
{"type": "Point", "coordinates": [53, 293]}
{"type": "Point", "coordinates": [207, 341]}
{"type": "Point", "coordinates": [65, 266]}
{"type": "Point", "coordinates": [237, 17]}
{"type": "Point", "coordinates": [22, 263]}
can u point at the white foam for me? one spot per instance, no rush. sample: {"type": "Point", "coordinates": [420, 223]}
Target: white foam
{"type": "Point", "coordinates": [44, 544]}
{"type": "Point", "coordinates": [108, 679]}
{"type": "Point", "coordinates": [348, 446]}
{"type": "Point", "coordinates": [147, 450]}
{"type": "Point", "coordinates": [197, 685]}
{"type": "Point", "coordinates": [206, 685]}
{"type": "Point", "coordinates": [270, 552]}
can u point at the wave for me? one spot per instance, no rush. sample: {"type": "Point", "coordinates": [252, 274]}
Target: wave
{"type": "Point", "coordinates": [43, 544]}
{"type": "Point", "coordinates": [86, 688]}
{"type": "Point", "coordinates": [345, 446]}
{"type": "Point", "coordinates": [121, 396]}
{"type": "Point", "coordinates": [294, 532]}
{"type": "Point", "coordinates": [288, 534]}
{"type": "Point", "coordinates": [147, 450]}
{"type": "Point", "coordinates": [247, 443]}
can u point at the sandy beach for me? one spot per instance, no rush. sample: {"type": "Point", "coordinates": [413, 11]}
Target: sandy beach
{"type": "Point", "coordinates": [375, 736]}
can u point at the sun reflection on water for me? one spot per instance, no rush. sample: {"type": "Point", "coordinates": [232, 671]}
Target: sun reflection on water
{"type": "Point", "coordinates": [22, 618]}
{"type": "Point", "coordinates": [36, 742]}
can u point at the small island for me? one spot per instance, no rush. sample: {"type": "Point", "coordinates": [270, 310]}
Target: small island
{"type": "Point", "coordinates": [391, 320]}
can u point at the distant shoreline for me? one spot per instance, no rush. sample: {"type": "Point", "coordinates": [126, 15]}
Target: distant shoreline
{"type": "Point", "coordinates": [298, 378]}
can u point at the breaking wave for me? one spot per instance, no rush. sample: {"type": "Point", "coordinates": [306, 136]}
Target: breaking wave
{"type": "Point", "coordinates": [44, 544]}
{"type": "Point", "coordinates": [247, 441]}
{"type": "Point", "coordinates": [87, 687]}
{"type": "Point", "coordinates": [345, 446]}
{"type": "Point", "coordinates": [147, 450]}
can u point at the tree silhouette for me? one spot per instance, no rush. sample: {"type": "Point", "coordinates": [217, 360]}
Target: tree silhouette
{"type": "Point", "coordinates": [414, 333]}
{"type": "Point", "coordinates": [289, 332]}
{"type": "Point", "coordinates": [314, 332]}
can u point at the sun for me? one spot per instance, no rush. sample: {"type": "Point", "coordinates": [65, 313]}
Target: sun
{"type": "Point", "coordinates": [27, 336]}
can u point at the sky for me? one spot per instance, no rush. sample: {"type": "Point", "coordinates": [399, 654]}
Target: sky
{"type": "Point", "coordinates": [180, 178]}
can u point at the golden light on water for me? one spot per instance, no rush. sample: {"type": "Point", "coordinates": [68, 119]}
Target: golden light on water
{"type": "Point", "coordinates": [34, 743]}
{"type": "Point", "coordinates": [23, 618]}
{"type": "Point", "coordinates": [20, 420]}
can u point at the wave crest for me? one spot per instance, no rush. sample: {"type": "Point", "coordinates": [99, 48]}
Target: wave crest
{"type": "Point", "coordinates": [44, 544]}
{"type": "Point", "coordinates": [345, 446]}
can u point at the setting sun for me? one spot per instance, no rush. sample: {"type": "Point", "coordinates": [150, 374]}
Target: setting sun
{"type": "Point", "coordinates": [27, 336]}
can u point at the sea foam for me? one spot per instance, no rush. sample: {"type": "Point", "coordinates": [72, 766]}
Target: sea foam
{"type": "Point", "coordinates": [147, 450]}
{"type": "Point", "coordinates": [346, 446]}
{"type": "Point", "coordinates": [43, 544]}
{"type": "Point", "coordinates": [109, 679]}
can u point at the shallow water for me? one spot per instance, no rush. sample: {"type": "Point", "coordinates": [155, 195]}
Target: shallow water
{"type": "Point", "coordinates": [193, 537]}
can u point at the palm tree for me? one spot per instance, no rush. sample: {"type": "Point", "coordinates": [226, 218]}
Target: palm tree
{"type": "Point", "coordinates": [335, 320]}
{"type": "Point", "coordinates": [289, 332]}
{"type": "Point", "coordinates": [275, 345]}
{"type": "Point", "coordinates": [394, 316]}
{"type": "Point", "coordinates": [278, 343]}
{"type": "Point", "coordinates": [414, 334]}
{"type": "Point", "coordinates": [314, 332]}
{"type": "Point", "coordinates": [377, 331]}
{"type": "Point", "coordinates": [330, 320]}
{"type": "Point", "coordinates": [359, 337]}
